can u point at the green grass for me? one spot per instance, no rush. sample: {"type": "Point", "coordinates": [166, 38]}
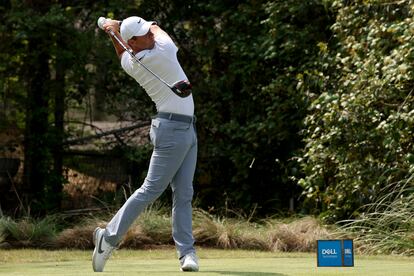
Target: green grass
{"type": "Point", "coordinates": [213, 262]}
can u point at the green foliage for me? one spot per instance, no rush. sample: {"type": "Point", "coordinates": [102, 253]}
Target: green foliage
{"type": "Point", "coordinates": [316, 93]}
{"type": "Point", "coordinates": [359, 129]}
{"type": "Point", "coordinates": [49, 64]}
{"type": "Point", "coordinates": [249, 110]}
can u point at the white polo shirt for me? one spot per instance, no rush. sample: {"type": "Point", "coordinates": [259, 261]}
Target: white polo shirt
{"type": "Point", "coordinates": [162, 60]}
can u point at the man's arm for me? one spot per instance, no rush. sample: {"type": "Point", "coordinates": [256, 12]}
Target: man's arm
{"type": "Point", "coordinates": [113, 25]}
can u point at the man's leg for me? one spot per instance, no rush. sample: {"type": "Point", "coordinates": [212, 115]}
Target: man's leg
{"type": "Point", "coordinates": [182, 188]}
{"type": "Point", "coordinates": [170, 149]}
{"type": "Point", "coordinates": [168, 155]}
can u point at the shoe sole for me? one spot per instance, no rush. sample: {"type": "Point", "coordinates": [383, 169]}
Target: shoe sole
{"type": "Point", "coordinates": [189, 269]}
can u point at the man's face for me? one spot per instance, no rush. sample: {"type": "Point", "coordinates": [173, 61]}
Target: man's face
{"type": "Point", "coordinates": [143, 42]}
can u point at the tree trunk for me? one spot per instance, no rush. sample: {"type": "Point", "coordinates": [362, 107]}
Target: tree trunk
{"type": "Point", "coordinates": [36, 149]}
{"type": "Point", "coordinates": [59, 90]}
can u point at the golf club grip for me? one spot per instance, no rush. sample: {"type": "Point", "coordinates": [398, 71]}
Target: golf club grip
{"type": "Point", "coordinates": [101, 21]}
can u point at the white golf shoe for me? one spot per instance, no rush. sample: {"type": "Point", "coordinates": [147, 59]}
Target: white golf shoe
{"type": "Point", "coordinates": [189, 262]}
{"type": "Point", "coordinates": [102, 251]}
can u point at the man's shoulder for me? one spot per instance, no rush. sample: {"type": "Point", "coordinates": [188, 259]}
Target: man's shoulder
{"type": "Point", "coordinates": [160, 34]}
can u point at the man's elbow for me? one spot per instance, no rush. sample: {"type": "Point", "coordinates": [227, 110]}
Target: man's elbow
{"type": "Point", "coordinates": [120, 53]}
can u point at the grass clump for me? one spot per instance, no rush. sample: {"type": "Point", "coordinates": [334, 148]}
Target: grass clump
{"type": "Point", "coordinates": [300, 235]}
{"type": "Point", "coordinates": [155, 223]}
{"type": "Point", "coordinates": [153, 230]}
{"type": "Point", "coordinates": [227, 233]}
{"type": "Point", "coordinates": [79, 236]}
{"type": "Point", "coordinates": [27, 232]}
{"type": "Point", "coordinates": [387, 225]}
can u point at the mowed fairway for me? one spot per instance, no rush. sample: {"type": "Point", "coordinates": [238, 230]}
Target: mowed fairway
{"type": "Point", "coordinates": [213, 262]}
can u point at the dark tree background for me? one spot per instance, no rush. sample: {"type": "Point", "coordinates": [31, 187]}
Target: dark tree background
{"type": "Point", "coordinates": [302, 106]}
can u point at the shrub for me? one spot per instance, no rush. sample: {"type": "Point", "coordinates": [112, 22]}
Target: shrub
{"type": "Point", "coordinates": [359, 129]}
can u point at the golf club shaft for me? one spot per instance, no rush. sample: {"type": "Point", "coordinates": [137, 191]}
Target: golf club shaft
{"type": "Point", "coordinates": [180, 88]}
{"type": "Point", "coordinates": [131, 53]}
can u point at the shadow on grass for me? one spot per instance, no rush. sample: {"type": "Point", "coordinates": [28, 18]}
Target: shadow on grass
{"type": "Point", "coordinates": [248, 273]}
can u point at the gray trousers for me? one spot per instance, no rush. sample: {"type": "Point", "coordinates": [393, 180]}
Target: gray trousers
{"type": "Point", "coordinates": [173, 162]}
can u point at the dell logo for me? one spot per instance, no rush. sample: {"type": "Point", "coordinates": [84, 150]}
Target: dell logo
{"type": "Point", "coordinates": [329, 252]}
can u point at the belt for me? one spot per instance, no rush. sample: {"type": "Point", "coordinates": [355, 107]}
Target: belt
{"type": "Point", "coordinates": [176, 117]}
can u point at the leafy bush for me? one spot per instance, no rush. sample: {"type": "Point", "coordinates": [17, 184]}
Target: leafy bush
{"type": "Point", "coordinates": [249, 108]}
{"type": "Point", "coordinates": [359, 129]}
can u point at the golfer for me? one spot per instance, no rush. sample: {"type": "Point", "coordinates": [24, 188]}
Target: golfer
{"type": "Point", "coordinates": [172, 134]}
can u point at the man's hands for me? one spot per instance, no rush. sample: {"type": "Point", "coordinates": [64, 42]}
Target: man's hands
{"type": "Point", "coordinates": [111, 25]}
{"type": "Point", "coordinates": [108, 24]}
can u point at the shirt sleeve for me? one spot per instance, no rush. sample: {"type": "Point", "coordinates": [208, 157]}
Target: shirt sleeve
{"type": "Point", "coordinates": [126, 62]}
{"type": "Point", "coordinates": [165, 42]}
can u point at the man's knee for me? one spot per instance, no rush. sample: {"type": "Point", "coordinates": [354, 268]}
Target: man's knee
{"type": "Point", "coordinates": [149, 192]}
{"type": "Point", "coordinates": [183, 195]}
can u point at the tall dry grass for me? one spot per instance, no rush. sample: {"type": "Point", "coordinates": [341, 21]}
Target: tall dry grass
{"type": "Point", "coordinates": [270, 235]}
{"type": "Point", "coordinates": [298, 235]}
{"type": "Point", "coordinates": [387, 225]}
{"type": "Point", "coordinates": [27, 232]}
{"type": "Point", "coordinates": [227, 233]}
{"type": "Point", "coordinates": [153, 229]}
{"type": "Point", "coordinates": [79, 236]}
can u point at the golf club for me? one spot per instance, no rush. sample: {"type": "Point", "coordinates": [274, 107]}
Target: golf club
{"type": "Point", "coordinates": [180, 88]}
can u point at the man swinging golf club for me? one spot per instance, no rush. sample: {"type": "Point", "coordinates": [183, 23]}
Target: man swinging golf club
{"type": "Point", "coordinates": [149, 55]}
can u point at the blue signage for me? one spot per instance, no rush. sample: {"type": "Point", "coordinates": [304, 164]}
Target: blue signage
{"type": "Point", "coordinates": [348, 248]}
{"type": "Point", "coordinates": [335, 253]}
